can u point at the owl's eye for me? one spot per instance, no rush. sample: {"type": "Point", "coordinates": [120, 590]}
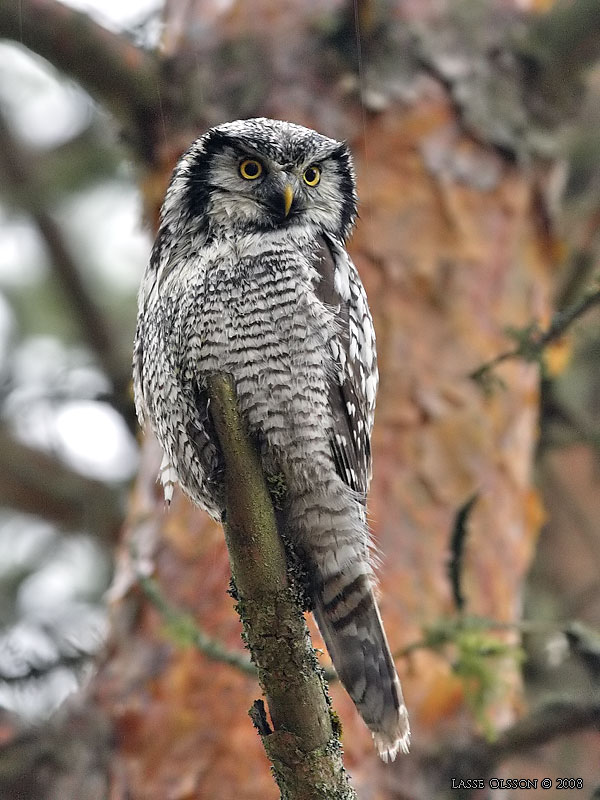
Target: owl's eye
{"type": "Point", "coordinates": [250, 169]}
{"type": "Point", "coordinates": [311, 176]}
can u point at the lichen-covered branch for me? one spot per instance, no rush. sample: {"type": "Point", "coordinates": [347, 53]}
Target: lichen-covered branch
{"type": "Point", "coordinates": [122, 77]}
{"type": "Point", "coordinates": [302, 743]}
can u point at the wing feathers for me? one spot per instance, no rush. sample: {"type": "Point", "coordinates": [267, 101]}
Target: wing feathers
{"type": "Point", "coordinates": [353, 385]}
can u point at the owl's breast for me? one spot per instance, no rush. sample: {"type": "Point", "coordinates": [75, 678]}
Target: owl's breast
{"type": "Point", "coordinates": [257, 310]}
{"type": "Point", "coordinates": [260, 321]}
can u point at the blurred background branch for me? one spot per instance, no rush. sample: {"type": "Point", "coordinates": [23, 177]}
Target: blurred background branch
{"type": "Point", "coordinates": [95, 328]}
{"type": "Point", "coordinates": [36, 483]}
{"type": "Point", "coordinates": [482, 758]}
{"type": "Point", "coordinates": [121, 76]}
{"type": "Point", "coordinates": [532, 341]}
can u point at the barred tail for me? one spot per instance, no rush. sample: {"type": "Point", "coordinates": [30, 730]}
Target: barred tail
{"type": "Point", "coordinates": [348, 618]}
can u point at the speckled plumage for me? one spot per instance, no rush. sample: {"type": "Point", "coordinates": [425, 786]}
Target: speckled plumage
{"type": "Point", "coordinates": [241, 282]}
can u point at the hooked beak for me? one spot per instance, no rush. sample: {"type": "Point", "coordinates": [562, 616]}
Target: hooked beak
{"type": "Point", "coordinates": [288, 196]}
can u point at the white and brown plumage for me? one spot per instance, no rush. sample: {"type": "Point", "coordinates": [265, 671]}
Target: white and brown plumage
{"type": "Point", "coordinates": [250, 277]}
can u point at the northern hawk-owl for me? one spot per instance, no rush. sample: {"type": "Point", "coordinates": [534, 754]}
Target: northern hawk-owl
{"type": "Point", "coordinates": [249, 277]}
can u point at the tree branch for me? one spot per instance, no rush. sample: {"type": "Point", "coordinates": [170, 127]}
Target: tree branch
{"type": "Point", "coordinates": [35, 483]}
{"type": "Point", "coordinates": [186, 630]}
{"type": "Point", "coordinates": [457, 548]}
{"type": "Point", "coordinates": [555, 50]}
{"type": "Point", "coordinates": [121, 76]}
{"type": "Point", "coordinates": [37, 672]}
{"type": "Point", "coordinates": [303, 745]}
{"type": "Point", "coordinates": [96, 330]}
{"type": "Point", "coordinates": [551, 721]}
{"type": "Point", "coordinates": [532, 341]}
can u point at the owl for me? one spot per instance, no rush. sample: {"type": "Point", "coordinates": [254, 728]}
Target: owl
{"type": "Point", "coordinates": [249, 277]}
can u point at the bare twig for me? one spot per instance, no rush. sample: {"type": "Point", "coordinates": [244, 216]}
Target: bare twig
{"type": "Point", "coordinates": [532, 341]}
{"type": "Point", "coordinates": [121, 76]}
{"type": "Point", "coordinates": [303, 745]}
{"type": "Point", "coordinates": [457, 546]}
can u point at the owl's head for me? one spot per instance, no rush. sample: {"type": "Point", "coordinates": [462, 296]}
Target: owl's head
{"type": "Point", "coordinates": [261, 174]}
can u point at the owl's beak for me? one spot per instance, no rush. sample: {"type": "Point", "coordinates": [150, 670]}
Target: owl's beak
{"type": "Point", "coordinates": [288, 196]}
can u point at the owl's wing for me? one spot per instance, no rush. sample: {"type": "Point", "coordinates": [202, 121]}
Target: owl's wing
{"type": "Point", "coordinates": [144, 329]}
{"type": "Point", "coordinates": [353, 385]}
{"type": "Point", "coordinates": [157, 370]}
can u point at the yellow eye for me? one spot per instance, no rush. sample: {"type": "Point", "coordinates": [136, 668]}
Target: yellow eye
{"type": "Point", "coordinates": [312, 175]}
{"type": "Point", "coordinates": [250, 169]}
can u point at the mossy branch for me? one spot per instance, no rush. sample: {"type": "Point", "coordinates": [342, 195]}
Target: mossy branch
{"type": "Point", "coordinates": [303, 743]}
{"type": "Point", "coordinates": [185, 630]}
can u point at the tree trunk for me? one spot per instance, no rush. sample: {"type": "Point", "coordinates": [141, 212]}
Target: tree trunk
{"type": "Point", "coordinates": [454, 247]}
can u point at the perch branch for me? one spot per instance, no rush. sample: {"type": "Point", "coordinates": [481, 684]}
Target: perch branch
{"type": "Point", "coordinates": [302, 745]}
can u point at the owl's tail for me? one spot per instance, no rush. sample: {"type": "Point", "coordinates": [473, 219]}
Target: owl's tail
{"type": "Point", "coordinates": [348, 618]}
